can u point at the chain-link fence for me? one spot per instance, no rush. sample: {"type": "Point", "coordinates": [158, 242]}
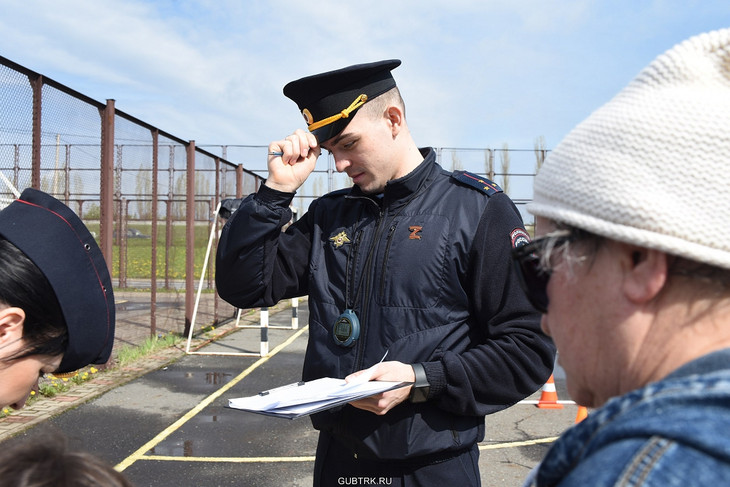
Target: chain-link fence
{"type": "Point", "coordinates": [512, 169]}
{"type": "Point", "coordinates": [149, 197]}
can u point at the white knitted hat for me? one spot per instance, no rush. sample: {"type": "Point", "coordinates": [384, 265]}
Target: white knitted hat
{"type": "Point", "coordinates": [652, 166]}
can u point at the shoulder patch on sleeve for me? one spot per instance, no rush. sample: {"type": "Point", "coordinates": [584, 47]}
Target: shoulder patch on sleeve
{"type": "Point", "coordinates": [482, 184]}
{"type": "Point", "coordinates": [519, 237]}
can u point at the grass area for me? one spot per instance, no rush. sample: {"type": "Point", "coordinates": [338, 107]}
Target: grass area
{"type": "Point", "coordinates": [172, 258]}
{"type": "Point", "coordinates": [128, 353]}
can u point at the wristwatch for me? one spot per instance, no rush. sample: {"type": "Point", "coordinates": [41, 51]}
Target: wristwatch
{"type": "Point", "coordinates": [421, 387]}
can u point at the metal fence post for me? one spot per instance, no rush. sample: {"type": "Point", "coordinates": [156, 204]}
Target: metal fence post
{"type": "Point", "coordinates": [106, 187]}
{"type": "Point", "coordinates": [264, 324]}
{"type": "Point", "coordinates": [239, 181]}
{"type": "Point", "coordinates": [190, 236]}
{"type": "Point", "coordinates": [37, 86]}
{"type": "Point", "coordinates": [153, 235]}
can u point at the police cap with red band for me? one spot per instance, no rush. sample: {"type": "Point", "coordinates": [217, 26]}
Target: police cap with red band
{"type": "Point", "coordinates": [61, 246]}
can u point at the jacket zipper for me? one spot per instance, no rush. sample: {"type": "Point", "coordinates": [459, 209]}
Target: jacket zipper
{"type": "Point", "coordinates": [351, 283]}
{"type": "Point", "coordinates": [366, 296]}
{"type": "Point", "coordinates": [368, 266]}
{"type": "Point", "coordinates": [391, 232]}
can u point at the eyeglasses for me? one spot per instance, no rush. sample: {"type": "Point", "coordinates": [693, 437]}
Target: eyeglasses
{"type": "Point", "coordinates": [533, 274]}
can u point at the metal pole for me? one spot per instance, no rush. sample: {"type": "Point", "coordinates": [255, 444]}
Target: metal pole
{"type": "Point", "coordinates": [294, 301]}
{"type": "Point", "coordinates": [294, 317]}
{"type": "Point", "coordinates": [202, 280]}
{"type": "Point", "coordinates": [190, 236]}
{"type": "Point", "coordinates": [264, 332]}
{"type": "Point", "coordinates": [154, 235]}
{"type": "Point", "coordinates": [106, 190]}
{"type": "Point", "coordinates": [35, 177]}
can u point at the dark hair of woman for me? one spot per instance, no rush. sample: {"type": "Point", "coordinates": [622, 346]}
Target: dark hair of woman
{"type": "Point", "coordinates": [47, 461]}
{"type": "Point", "coordinates": [24, 286]}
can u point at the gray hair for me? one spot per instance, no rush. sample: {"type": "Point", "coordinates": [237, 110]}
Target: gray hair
{"type": "Point", "coordinates": [557, 249]}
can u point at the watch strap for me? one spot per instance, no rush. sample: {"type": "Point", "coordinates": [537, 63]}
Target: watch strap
{"type": "Point", "coordinates": [421, 387]}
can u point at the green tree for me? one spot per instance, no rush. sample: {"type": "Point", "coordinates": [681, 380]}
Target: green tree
{"type": "Point", "coordinates": [92, 212]}
{"type": "Point", "coordinates": [143, 191]}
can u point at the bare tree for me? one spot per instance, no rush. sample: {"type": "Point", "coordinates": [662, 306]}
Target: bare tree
{"type": "Point", "coordinates": [456, 164]}
{"type": "Point", "coordinates": [540, 152]}
{"type": "Point", "coordinates": [504, 160]}
{"type": "Point", "coordinates": [489, 163]}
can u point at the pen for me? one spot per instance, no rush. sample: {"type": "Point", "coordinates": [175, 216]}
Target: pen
{"type": "Point", "coordinates": [296, 384]}
{"type": "Point", "coordinates": [279, 154]}
{"type": "Point", "coordinates": [386, 354]}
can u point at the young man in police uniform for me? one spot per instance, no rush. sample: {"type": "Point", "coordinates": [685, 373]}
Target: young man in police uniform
{"type": "Point", "coordinates": [413, 261]}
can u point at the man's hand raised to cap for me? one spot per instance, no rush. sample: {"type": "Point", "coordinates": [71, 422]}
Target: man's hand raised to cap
{"type": "Point", "coordinates": [288, 171]}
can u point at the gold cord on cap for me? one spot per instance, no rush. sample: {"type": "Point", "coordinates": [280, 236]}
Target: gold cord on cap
{"type": "Point", "coordinates": [359, 101]}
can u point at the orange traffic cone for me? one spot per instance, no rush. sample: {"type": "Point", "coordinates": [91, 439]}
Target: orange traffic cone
{"type": "Point", "coordinates": [549, 396]}
{"type": "Point", "coordinates": [582, 413]}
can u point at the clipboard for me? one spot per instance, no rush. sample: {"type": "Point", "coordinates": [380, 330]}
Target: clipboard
{"type": "Point", "coordinates": [304, 398]}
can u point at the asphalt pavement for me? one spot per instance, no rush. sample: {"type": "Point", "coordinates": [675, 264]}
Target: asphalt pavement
{"type": "Point", "coordinates": [171, 426]}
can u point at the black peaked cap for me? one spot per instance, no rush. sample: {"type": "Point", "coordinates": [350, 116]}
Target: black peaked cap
{"type": "Point", "coordinates": [328, 95]}
{"type": "Point", "coordinates": [61, 246]}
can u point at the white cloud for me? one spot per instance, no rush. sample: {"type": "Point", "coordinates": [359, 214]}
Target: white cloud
{"type": "Point", "coordinates": [474, 73]}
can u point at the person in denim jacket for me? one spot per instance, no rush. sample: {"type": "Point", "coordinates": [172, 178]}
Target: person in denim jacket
{"type": "Point", "coordinates": [631, 269]}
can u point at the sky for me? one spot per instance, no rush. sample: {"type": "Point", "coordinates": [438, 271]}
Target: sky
{"type": "Point", "coordinates": [474, 73]}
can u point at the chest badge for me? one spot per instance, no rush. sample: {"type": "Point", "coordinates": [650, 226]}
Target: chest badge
{"type": "Point", "coordinates": [415, 232]}
{"type": "Point", "coordinates": [340, 239]}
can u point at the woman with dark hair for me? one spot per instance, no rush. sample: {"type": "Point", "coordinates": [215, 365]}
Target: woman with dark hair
{"type": "Point", "coordinates": [50, 462]}
{"type": "Point", "coordinates": [56, 299]}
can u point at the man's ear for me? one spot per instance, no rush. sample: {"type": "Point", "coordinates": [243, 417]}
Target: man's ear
{"type": "Point", "coordinates": [646, 273]}
{"type": "Point", "coordinates": [11, 324]}
{"type": "Point", "coordinates": [394, 115]}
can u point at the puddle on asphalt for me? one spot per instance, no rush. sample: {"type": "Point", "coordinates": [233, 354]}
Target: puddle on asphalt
{"type": "Point", "coordinates": [217, 377]}
{"type": "Point", "coordinates": [211, 378]}
{"type": "Point", "coordinates": [174, 449]}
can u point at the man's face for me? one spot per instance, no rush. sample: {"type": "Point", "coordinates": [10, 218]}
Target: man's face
{"type": "Point", "coordinates": [587, 322]}
{"type": "Point", "coordinates": [364, 151]}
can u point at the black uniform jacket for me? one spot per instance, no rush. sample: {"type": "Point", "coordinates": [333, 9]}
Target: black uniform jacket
{"type": "Point", "coordinates": [427, 269]}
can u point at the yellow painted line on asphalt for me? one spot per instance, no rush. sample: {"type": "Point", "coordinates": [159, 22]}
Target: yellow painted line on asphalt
{"type": "Point", "coordinates": [515, 444]}
{"type": "Point", "coordinates": [165, 458]}
{"type": "Point", "coordinates": [139, 454]}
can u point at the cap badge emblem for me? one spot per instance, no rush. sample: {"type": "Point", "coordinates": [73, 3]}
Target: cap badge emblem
{"type": "Point", "coordinates": [340, 239]}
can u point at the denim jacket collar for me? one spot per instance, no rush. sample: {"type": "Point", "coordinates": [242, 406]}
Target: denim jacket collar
{"type": "Point", "coordinates": [690, 408]}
